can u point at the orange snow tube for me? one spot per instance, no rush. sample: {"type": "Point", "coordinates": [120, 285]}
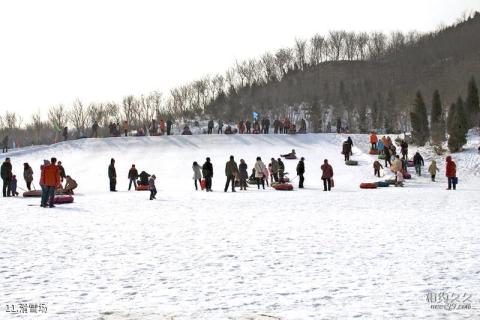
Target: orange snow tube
{"type": "Point", "coordinates": [368, 185]}
{"type": "Point", "coordinates": [142, 187]}
{"type": "Point", "coordinates": [283, 187]}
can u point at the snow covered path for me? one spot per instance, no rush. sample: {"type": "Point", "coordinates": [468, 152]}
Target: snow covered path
{"type": "Point", "coordinates": [371, 254]}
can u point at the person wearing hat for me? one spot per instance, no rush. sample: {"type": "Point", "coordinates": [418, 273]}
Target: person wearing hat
{"type": "Point", "coordinates": [300, 172]}
{"type": "Point", "coordinates": [151, 187]}
{"type": "Point", "coordinates": [207, 172]}
{"type": "Point", "coordinates": [6, 174]}
{"type": "Point", "coordinates": [133, 176]}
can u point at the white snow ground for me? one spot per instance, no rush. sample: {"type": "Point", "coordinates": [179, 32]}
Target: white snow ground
{"type": "Point", "coordinates": [305, 254]}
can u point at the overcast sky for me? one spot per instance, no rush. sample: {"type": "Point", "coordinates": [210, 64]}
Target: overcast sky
{"type": "Point", "coordinates": [52, 52]}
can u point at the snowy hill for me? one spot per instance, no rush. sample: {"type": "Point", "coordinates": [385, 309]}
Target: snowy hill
{"type": "Point", "coordinates": [197, 255]}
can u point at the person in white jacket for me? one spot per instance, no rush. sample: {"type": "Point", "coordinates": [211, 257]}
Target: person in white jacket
{"type": "Point", "coordinates": [259, 170]}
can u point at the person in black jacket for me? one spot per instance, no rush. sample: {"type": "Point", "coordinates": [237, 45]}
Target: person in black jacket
{"type": "Point", "coordinates": [132, 176]}
{"type": "Point", "coordinates": [61, 170]}
{"type": "Point", "coordinates": [143, 178]}
{"type": "Point", "coordinates": [418, 163]}
{"type": "Point", "coordinates": [248, 126]}
{"type": "Point", "coordinates": [6, 174]}
{"type": "Point", "coordinates": [388, 157]}
{"type": "Point", "coordinates": [281, 170]}
{"type": "Point", "coordinates": [112, 175]}
{"type": "Point", "coordinates": [169, 127]}
{"type": "Point", "coordinates": [300, 172]}
{"type": "Point", "coordinates": [346, 149]}
{"type": "Point", "coordinates": [5, 144]}
{"type": "Point", "coordinates": [207, 172]}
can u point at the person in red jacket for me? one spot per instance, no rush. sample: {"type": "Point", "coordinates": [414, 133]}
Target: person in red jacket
{"type": "Point", "coordinates": [327, 175]}
{"type": "Point", "coordinates": [451, 173]}
{"type": "Point", "coordinates": [49, 179]}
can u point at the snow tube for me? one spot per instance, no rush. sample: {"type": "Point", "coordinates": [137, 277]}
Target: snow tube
{"type": "Point", "coordinates": [33, 193]}
{"type": "Point", "coordinates": [382, 184]}
{"type": "Point", "coordinates": [283, 186]}
{"type": "Point", "coordinates": [291, 157]}
{"type": "Point", "coordinates": [368, 185]}
{"type": "Point", "coordinates": [410, 163]}
{"type": "Point", "coordinates": [252, 181]}
{"type": "Point", "coordinates": [406, 175]}
{"type": "Point", "coordinates": [63, 199]}
{"type": "Point", "coordinates": [381, 156]}
{"type": "Point", "coordinates": [351, 163]}
{"type": "Point", "coordinates": [142, 187]}
{"type": "Point", "coordinates": [390, 181]}
{"type": "Point", "coordinates": [203, 184]}
{"type": "Point", "coordinates": [373, 151]}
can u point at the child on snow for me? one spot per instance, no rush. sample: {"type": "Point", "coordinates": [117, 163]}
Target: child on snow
{"type": "Point", "coordinates": [433, 169]}
{"type": "Point", "coordinates": [13, 186]}
{"type": "Point", "coordinates": [197, 174]}
{"type": "Point", "coordinates": [399, 181]}
{"type": "Point", "coordinates": [376, 168]}
{"type": "Point", "coordinates": [151, 187]}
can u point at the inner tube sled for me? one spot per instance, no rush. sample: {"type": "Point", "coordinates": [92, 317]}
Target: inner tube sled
{"type": "Point", "coordinates": [142, 187]}
{"type": "Point", "coordinates": [61, 199]}
{"type": "Point", "coordinates": [351, 163]}
{"type": "Point", "coordinates": [32, 194]}
{"type": "Point", "coordinates": [368, 185]}
{"type": "Point", "coordinates": [282, 186]}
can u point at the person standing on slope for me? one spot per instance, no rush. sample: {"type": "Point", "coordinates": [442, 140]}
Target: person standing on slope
{"type": "Point", "coordinates": [61, 169]}
{"type": "Point", "coordinates": [281, 170]}
{"type": "Point", "coordinates": [28, 175]}
{"type": "Point", "coordinates": [327, 175]}
{"type": "Point", "coordinates": [6, 174]}
{"type": "Point", "coordinates": [274, 164]}
{"type": "Point", "coordinates": [112, 175]}
{"type": "Point", "coordinates": [451, 173]}
{"type": "Point", "coordinates": [346, 149]}
{"type": "Point", "coordinates": [50, 179]}
{"type": "Point", "coordinates": [207, 171]}
{"type": "Point", "coordinates": [197, 174]}
{"type": "Point", "coordinates": [132, 177]}
{"type": "Point", "coordinates": [373, 141]}
{"type": "Point", "coordinates": [152, 187]}
{"type": "Point", "coordinates": [169, 127]}
{"type": "Point", "coordinates": [433, 169]}
{"type": "Point", "coordinates": [388, 157]}
{"type": "Point", "coordinates": [242, 168]}
{"type": "Point", "coordinates": [300, 172]}
{"type": "Point", "coordinates": [259, 169]}
{"type": "Point", "coordinates": [418, 163]}
{"type": "Point", "coordinates": [5, 144]}
{"type": "Point", "coordinates": [350, 142]}
{"type": "Point", "coordinates": [404, 149]}
{"type": "Point", "coordinates": [376, 168]}
{"type": "Point", "coordinates": [231, 170]}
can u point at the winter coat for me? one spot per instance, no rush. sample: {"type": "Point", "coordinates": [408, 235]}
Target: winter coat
{"type": "Point", "coordinates": [433, 169]}
{"type": "Point", "coordinates": [346, 148]}
{"type": "Point", "coordinates": [197, 172]}
{"type": "Point", "coordinates": [133, 173]}
{"type": "Point", "coordinates": [144, 177]}
{"type": "Point", "coordinates": [151, 184]}
{"type": "Point", "coordinates": [300, 168]}
{"type": "Point", "coordinates": [6, 170]}
{"type": "Point", "coordinates": [50, 176]}
{"type": "Point", "coordinates": [281, 166]}
{"type": "Point", "coordinates": [13, 185]}
{"type": "Point", "coordinates": [243, 171]}
{"type": "Point", "coordinates": [28, 174]}
{"type": "Point", "coordinates": [396, 165]}
{"type": "Point", "coordinates": [451, 168]}
{"type": "Point", "coordinates": [62, 172]}
{"type": "Point", "coordinates": [231, 168]}
{"type": "Point", "coordinates": [418, 159]}
{"type": "Point", "coordinates": [259, 168]}
{"type": "Point", "coordinates": [380, 145]}
{"type": "Point", "coordinates": [112, 173]}
{"type": "Point", "coordinates": [207, 170]}
{"type": "Point", "coordinates": [274, 166]}
{"type": "Point", "coordinates": [327, 171]}
{"type": "Point", "coordinates": [71, 184]}
{"type": "Point", "coordinates": [377, 165]}
{"type": "Point", "coordinates": [373, 138]}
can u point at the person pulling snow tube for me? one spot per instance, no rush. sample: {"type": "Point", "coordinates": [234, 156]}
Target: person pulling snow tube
{"type": "Point", "coordinates": [373, 151]}
{"type": "Point", "coordinates": [61, 199]}
{"type": "Point", "coordinates": [351, 163]}
{"type": "Point", "coordinates": [142, 187]}
{"type": "Point", "coordinates": [282, 186]}
{"type": "Point", "coordinates": [368, 185]}
{"type": "Point", "coordinates": [383, 184]}
{"type": "Point", "coordinates": [32, 194]}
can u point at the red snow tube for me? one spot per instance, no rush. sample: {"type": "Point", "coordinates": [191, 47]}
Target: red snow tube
{"type": "Point", "coordinates": [368, 185]}
{"type": "Point", "coordinates": [203, 184]}
{"type": "Point", "coordinates": [410, 163]}
{"type": "Point", "coordinates": [373, 151]}
{"type": "Point", "coordinates": [33, 193]}
{"type": "Point", "coordinates": [291, 157]}
{"type": "Point", "coordinates": [283, 186]}
{"type": "Point", "coordinates": [406, 175]}
{"type": "Point", "coordinates": [61, 199]}
{"type": "Point", "coordinates": [142, 187]}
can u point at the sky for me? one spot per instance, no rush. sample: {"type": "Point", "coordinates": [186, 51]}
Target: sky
{"type": "Point", "coordinates": [54, 51]}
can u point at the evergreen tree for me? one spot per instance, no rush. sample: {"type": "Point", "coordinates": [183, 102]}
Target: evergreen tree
{"type": "Point", "coordinates": [457, 126]}
{"type": "Point", "coordinates": [437, 120]}
{"type": "Point", "coordinates": [419, 120]}
{"type": "Point", "coordinates": [472, 104]}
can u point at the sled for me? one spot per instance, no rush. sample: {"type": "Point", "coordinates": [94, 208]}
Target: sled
{"type": "Point", "coordinates": [290, 157]}
{"type": "Point", "coordinates": [282, 186]}
{"type": "Point", "coordinates": [368, 185]}
{"type": "Point", "coordinates": [406, 175]}
{"type": "Point", "coordinates": [203, 184]}
{"type": "Point", "coordinates": [351, 163]}
{"type": "Point", "coordinates": [142, 187]}
{"type": "Point", "coordinates": [32, 194]}
{"type": "Point", "coordinates": [410, 163]}
{"type": "Point", "coordinates": [252, 181]}
{"type": "Point", "coordinates": [373, 151]}
{"type": "Point", "coordinates": [61, 199]}
{"type": "Point", "coordinates": [382, 184]}
{"type": "Point", "coordinates": [390, 181]}
{"type": "Point", "coordinates": [381, 156]}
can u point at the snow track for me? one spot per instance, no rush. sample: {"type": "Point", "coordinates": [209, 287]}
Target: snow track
{"type": "Point", "coordinates": [305, 254]}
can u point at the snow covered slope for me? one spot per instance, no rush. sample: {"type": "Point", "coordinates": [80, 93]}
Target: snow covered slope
{"type": "Point", "coordinates": [195, 255]}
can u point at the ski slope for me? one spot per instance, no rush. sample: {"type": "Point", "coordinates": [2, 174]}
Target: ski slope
{"type": "Point", "coordinates": [255, 254]}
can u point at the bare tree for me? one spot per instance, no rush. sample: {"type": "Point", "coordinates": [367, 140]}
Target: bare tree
{"type": "Point", "coordinates": [268, 61]}
{"type": "Point", "coordinates": [57, 116]}
{"type": "Point", "coordinates": [316, 49]}
{"type": "Point", "coordinates": [336, 41]}
{"type": "Point", "coordinates": [377, 45]}
{"type": "Point", "coordinates": [362, 46]}
{"type": "Point", "coordinates": [128, 107]}
{"type": "Point", "coordinates": [78, 116]}
{"type": "Point", "coordinates": [301, 53]}
{"type": "Point", "coordinates": [350, 45]}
